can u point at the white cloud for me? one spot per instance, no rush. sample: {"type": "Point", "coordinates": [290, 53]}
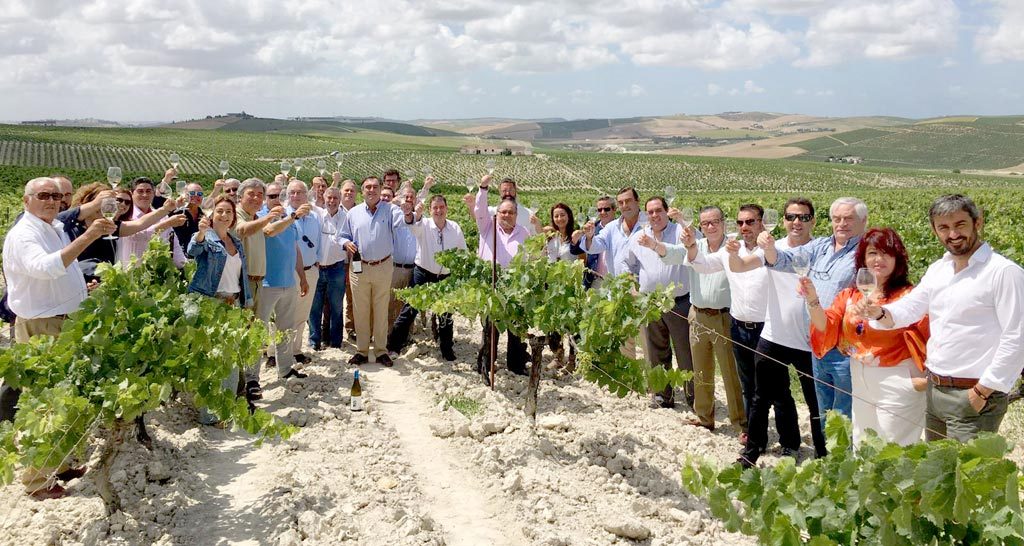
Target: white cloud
{"type": "Point", "coordinates": [635, 90]}
{"type": "Point", "coordinates": [880, 29]}
{"type": "Point", "coordinates": [714, 89]}
{"type": "Point", "coordinates": [515, 89]}
{"type": "Point", "coordinates": [1004, 42]}
{"type": "Point", "coordinates": [800, 92]}
{"type": "Point", "coordinates": [580, 96]}
{"type": "Point", "coordinates": [824, 93]}
{"type": "Point", "coordinates": [751, 88]}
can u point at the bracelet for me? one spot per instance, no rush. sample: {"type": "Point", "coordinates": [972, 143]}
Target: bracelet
{"type": "Point", "coordinates": [982, 396]}
{"type": "Point", "coordinates": [813, 303]}
{"type": "Point", "coordinates": [882, 315]}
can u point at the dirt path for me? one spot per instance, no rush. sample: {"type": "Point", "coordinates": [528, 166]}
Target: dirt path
{"type": "Point", "coordinates": [467, 513]}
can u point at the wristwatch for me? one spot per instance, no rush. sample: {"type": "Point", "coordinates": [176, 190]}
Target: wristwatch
{"type": "Point", "coordinates": [294, 217]}
{"type": "Point", "coordinates": [880, 315]}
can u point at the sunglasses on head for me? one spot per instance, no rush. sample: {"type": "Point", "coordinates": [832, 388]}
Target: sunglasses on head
{"type": "Point", "coordinates": [605, 209]}
{"type": "Point", "coordinates": [803, 217]}
{"type": "Point", "coordinates": [747, 222]}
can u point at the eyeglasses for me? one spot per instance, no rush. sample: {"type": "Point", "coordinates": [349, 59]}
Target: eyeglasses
{"type": "Point", "coordinates": [231, 190]}
{"type": "Point", "coordinates": [605, 209]}
{"type": "Point", "coordinates": [195, 193]}
{"type": "Point", "coordinates": [273, 195]}
{"type": "Point", "coordinates": [747, 222]}
{"type": "Point", "coordinates": [440, 238]}
{"type": "Point", "coordinates": [48, 196]}
{"type": "Point", "coordinates": [803, 217]}
{"type": "Point", "coordinates": [307, 241]}
{"type": "Point", "coordinates": [124, 201]}
{"type": "Point", "coordinates": [709, 223]}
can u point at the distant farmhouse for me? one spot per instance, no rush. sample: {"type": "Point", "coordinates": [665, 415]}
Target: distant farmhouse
{"type": "Point", "coordinates": [43, 122]}
{"type": "Point", "coordinates": [850, 159]}
{"type": "Point", "coordinates": [492, 149]}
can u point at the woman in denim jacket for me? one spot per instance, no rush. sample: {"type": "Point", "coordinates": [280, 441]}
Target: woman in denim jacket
{"type": "Point", "coordinates": [220, 271]}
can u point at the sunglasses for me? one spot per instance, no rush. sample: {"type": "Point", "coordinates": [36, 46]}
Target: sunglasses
{"type": "Point", "coordinates": [605, 209]}
{"type": "Point", "coordinates": [273, 195]}
{"type": "Point", "coordinates": [231, 190]}
{"type": "Point", "coordinates": [48, 196]}
{"type": "Point", "coordinates": [306, 240]}
{"type": "Point", "coordinates": [195, 194]}
{"type": "Point", "coordinates": [803, 217]}
{"type": "Point", "coordinates": [124, 201]}
{"type": "Point", "coordinates": [747, 222]}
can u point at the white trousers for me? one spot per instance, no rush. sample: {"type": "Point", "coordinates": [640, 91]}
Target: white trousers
{"type": "Point", "coordinates": [884, 400]}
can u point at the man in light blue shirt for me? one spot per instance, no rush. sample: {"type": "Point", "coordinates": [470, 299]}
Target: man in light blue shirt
{"type": "Point", "coordinates": [312, 252]}
{"type": "Point", "coordinates": [405, 250]}
{"type": "Point", "coordinates": [369, 230]}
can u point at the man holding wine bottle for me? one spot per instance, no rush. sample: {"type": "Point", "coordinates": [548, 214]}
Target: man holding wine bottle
{"type": "Point", "coordinates": [44, 285]}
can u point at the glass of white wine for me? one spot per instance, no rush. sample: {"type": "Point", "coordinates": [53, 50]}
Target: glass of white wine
{"type": "Point", "coordinates": [866, 282]}
{"type": "Point", "coordinates": [297, 164]}
{"type": "Point", "coordinates": [670, 195]}
{"type": "Point", "coordinates": [175, 160]}
{"type": "Point", "coordinates": [470, 184]}
{"type": "Point", "coordinates": [801, 265]}
{"type": "Point", "coordinates": [687, 216]}
{"type": "Point", "coordinates": [108, 207]}
{"type": "Point", "coordinates": [410, 175]}
{"type": "Point", "coordinates": [286, 167]}
{"type": "Point", "coordinates": [321, 166]}
{"type": "Point", "coordinates": [181, 187]}
{"type": "Point", "coordinates": [338, 159]}
{"type": "Point", "coordinates": [770, 220]}
{"type": "Point", "coordinates": [224, 167]}
{"type": "Point", "coordinates": [490, 166]}
{"type": "Point", "coordinates": [114, 177]}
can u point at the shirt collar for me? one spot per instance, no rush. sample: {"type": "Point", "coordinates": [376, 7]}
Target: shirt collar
{"type": "Point", "coordinates": [55, 224]}
{"type": "Point", "coordinates": [980, 256]}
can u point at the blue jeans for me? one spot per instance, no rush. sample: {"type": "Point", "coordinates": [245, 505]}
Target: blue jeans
{"type": "Point", "coordinates": [330, 285]}
{"type": "Point", "coordinates": [833, 369]}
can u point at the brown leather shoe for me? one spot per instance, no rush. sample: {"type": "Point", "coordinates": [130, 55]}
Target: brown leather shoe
{"type": "Point", "coordinates": [697, 423]}
{"type": "Point", "coordinates": [72, 473]}
{"type": "Point", "coordinates": [53, 492]}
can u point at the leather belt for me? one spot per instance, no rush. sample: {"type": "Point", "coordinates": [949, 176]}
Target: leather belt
{"type": "Point", "coordinates": [748, 325]}
{"type": "Point", "coordinates": [954, 382]}
{"type": "Point", "coordinates": [377, 262]}
{"type": "Point", "coordinates": [405, 266]}
{"type": "Point", "coordinates": [307, 268]}
{"type": "Point", "coordinates": [332, 266]}
{"type": "Point", "coordinates": [711, 312]}
{"type": "Point", "coordinates": [255, 277]}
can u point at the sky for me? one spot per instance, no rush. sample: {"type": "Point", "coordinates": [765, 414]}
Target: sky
{"type": "Point", "coordinates": [149, 60]}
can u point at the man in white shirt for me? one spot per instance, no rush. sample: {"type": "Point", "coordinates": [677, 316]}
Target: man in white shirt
{"type": "Point", "coordinates": [44, 285]}
{"type": "Point", "coordinates": [330, 286]}
{"type": "Point", "coordinates": [434, 234]}
{"type": "Point", "coordinates": [974, 299]}
{"type": "Point", "coordinates": [671, 332]}
{"type": "Point", "coordinates": [524, 216]}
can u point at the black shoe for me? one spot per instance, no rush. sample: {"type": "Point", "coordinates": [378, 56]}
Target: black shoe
{"type": "Point", "coordinates": [352, 336]}
{"type": "Point", "coordinates": [748, 457]}
{"type": "Point", "coordinates": [72, 473]}
{"type": "Point", "coordinates": [318, 347]}
{"type": "Point", "coordinates": [385, 360]}
{"type": "Point", "coordinates": [271, 361]}
{"type": "Point", "coordinates": [302, 359]}
{"type": "Point", "coordinates": [293, 373]}
{"type": "Point", "coordinates": [358, 360]}
{"type": "Point", "coordinates": [253, 391]}
{"type": "Point", "coordinates": [448, 355]}
{"type": "Point", "coordinates": [790, 452]}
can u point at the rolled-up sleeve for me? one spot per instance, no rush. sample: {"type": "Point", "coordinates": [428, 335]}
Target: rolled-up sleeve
{"type": "Point", "coordinates": [32, 260]}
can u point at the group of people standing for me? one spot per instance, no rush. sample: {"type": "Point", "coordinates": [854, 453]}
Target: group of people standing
{"type": "Point", "coordinates": [940, 356]}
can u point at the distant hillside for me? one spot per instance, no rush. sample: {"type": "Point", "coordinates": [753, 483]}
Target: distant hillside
{"type": "Point", "coordinates": [962, 142]}
{"type": "Point", "coordinates": [349, 125]}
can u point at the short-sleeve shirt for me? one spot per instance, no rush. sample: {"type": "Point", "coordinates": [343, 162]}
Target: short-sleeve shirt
{"type": "Point", "coordinates": [254, 245]}
{"type": "Point", "coordinates": [280, 250]}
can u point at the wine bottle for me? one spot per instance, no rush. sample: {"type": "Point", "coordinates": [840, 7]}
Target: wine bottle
{"type": "Point", "coordinates": [357, 262]}
{"type": "Point", "coordinates": [356, 396]}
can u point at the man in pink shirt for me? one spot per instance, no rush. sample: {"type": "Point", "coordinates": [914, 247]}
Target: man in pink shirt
{"type": "Point", "coordinates": [509, 237]}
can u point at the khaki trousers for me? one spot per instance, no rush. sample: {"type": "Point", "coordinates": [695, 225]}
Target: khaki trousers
{"type": "Point", "coordinates": [302, 307]}
{"type": "Point", "coordinates": [706, 348]}
{"type": "Point", "coordinates": [39, 478]}
{"type": "Point", "coordinates": [400, 278]}
{"type": "Point", "coordinates": [371, 293]}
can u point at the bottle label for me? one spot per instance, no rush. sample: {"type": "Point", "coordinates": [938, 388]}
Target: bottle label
{"type": "Point", "coordinates": [355, 403]}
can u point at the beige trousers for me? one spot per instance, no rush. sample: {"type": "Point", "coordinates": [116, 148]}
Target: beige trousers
{"type": "Point", "coordinates": [302, 307]}
{"type": "Point", "coordinates": [706, 348]}
{"type": "Point", "coordinates": [371, 293]}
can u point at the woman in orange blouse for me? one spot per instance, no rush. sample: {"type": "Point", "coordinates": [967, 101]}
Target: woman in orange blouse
{"type": "Point", "coordinates": [886, 366]}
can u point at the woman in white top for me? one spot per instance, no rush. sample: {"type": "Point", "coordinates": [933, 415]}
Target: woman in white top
{"type": "Point", "coordinates": [220, 272]}
{"type": "Point", "coordinates": [558, 250]}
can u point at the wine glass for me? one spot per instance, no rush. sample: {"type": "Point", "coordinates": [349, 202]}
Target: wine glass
{"type": "Point", "coordinates": [223, 168]}
{"type": "Point", "coordinates": [687, 216]}
{"type": "Point", "coordinates": [298, 165]}
{"type": "Point", "coordinates": [338, 159]}
{"type": "Point", "coordinates": [770, 220]}
{"type": "Point", "coordinates": [732, 235]}
{"type": "Point", "coordinates": [410, 175]}
{"type": "Point", "coordinates": [426, 170]}
{"type": "Point", "coordinates": [866, 282]}
{"type": "Point", "coordinates": [470, 184]}
{"type": "Point", "coordinates": [534, 205]}
{"type": "Point", "coordinates": [175, 160]}
{"type": "Point", "coordinates": [321, 166]}
{"type": "Point", "coordinates": [801, 264]}
{"type": "Point", "coordinates": [286, 167]}
{"type": "Point", "coordinates": [108, 207]}
{"type": "Point", "coordinates": [181, 187]}
{"type": "Point", "coordinates": [490, 166]}
{"type": "Point", "coordinates": [592, 213]}
{"type": "Point", "coordinates": [670, 195]}
{"type": "Point", "coordinates": [114, 176]}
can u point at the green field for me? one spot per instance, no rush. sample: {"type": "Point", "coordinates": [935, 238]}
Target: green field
{"type": "Point", "coordinates": [947, 143]}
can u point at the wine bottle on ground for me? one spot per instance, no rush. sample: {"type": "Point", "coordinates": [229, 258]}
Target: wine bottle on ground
{"type": "Point", "coordinates": [356, 396]}
{"type": "Point", "coordinates": [357, 262]}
